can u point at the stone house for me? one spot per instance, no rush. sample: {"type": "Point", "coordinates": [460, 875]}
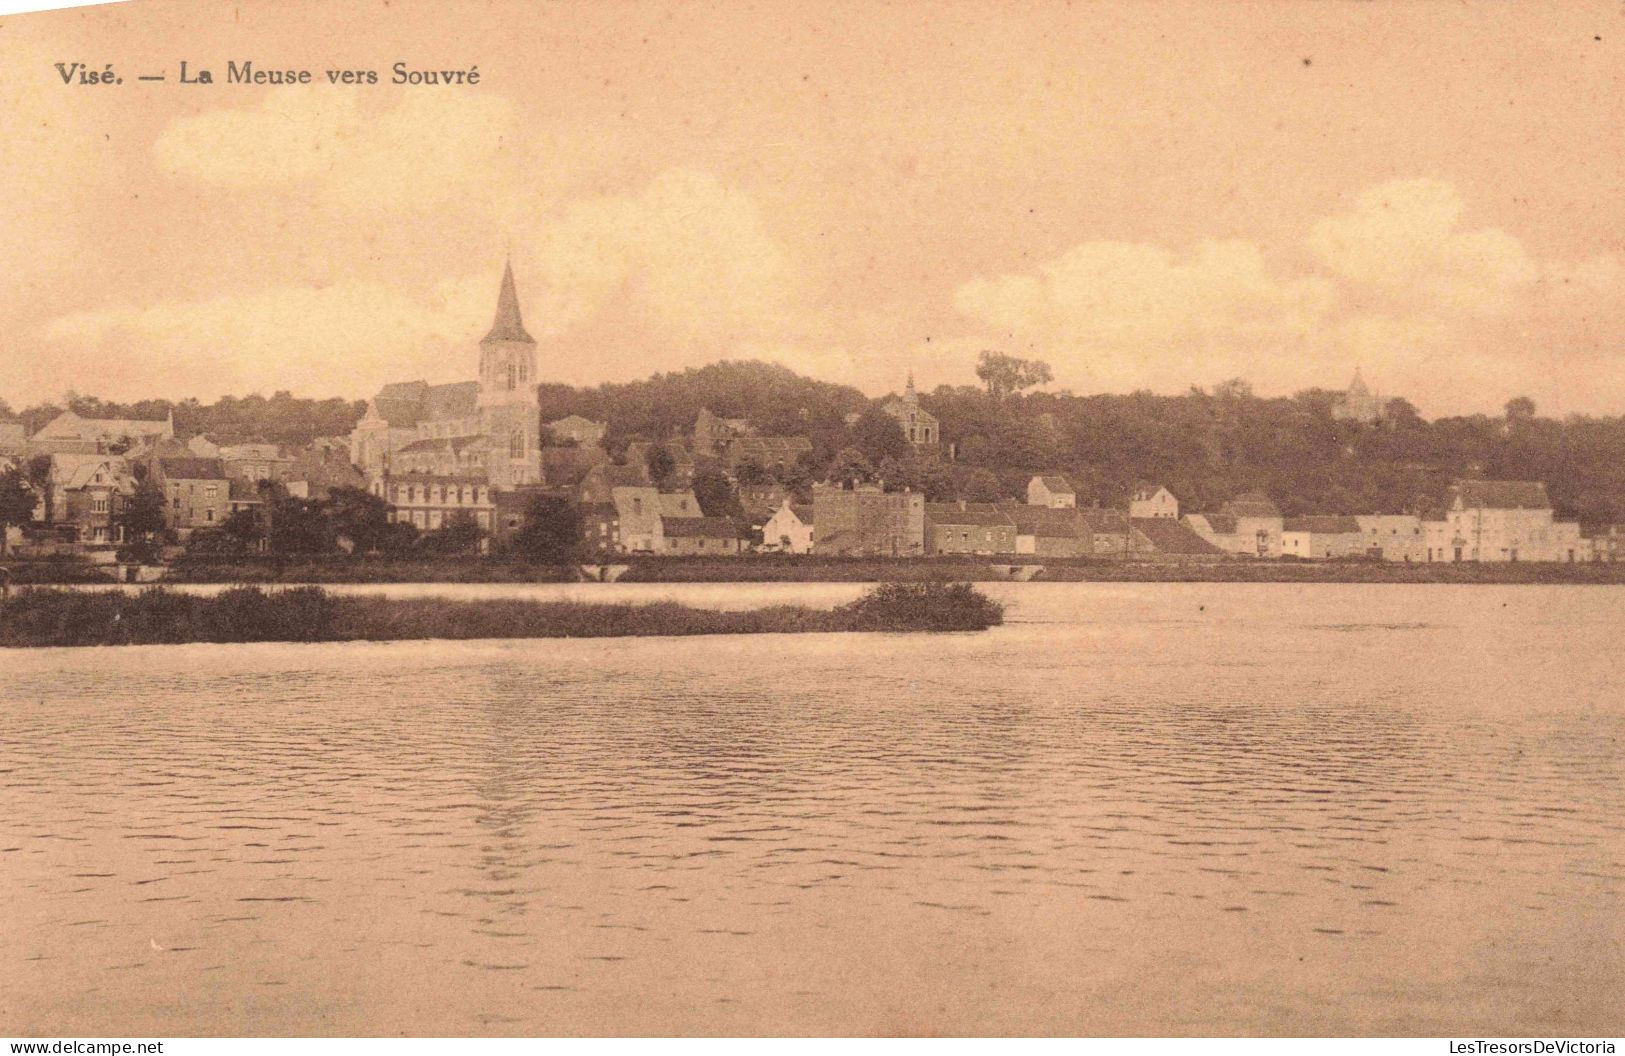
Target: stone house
{"type": "Point", "coordinates": [1393, 536]}
{"type": "Point", "coordinates": [1322, 537]}
{"type": "Point", "coordinates": [197, 493]}
{"type": "Point", "coordinates": [868, 520]}
{"type": "Point", "coordinates": [427, 502]}
{"type": "Point", "coordinates": [699, 536]}
{"type": "Point", "coordinates": [1047, 532]}
{"type": "Point", "coordinates": [968, 528]}
{"type": "Point", "coordinates": [1505, 520]}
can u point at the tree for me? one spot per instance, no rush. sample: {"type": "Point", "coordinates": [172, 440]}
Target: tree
{"type": "Point", "coordinates": [660, 464]}
{"type": "Point", "coordinates": [142, 516]}
{"type": "Point", "coordinates": [1004, 375]}
{"type": "Point", "coordinates": [1520, 409]}
{"type": "Point", "coordinates": [358, 515]}
{"type": "Point", "coordinates": [16, 504]}
{"type": "Point", "coordinates": [750, 473]}
{"type": "Point", "coordinates": [715, 494]}
{"type": "Point", "coordinates": [879, 436]}
{"type": "Point", "coordinates": [979, 485]}
{"type": "Point", "coordinates": [459, 534]}
{"type": "Point", "coordinates": [850, 467]}
{"type": "Point", "coordinates": [551, 532]}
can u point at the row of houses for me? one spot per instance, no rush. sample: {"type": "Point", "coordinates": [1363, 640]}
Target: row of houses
{"type": "Point", "coordinates": [1483, 520]}
{"type": "Point", "coordinates": [93, 466]}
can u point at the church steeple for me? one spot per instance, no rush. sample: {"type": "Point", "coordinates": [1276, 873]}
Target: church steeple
{"type": "Point", "coordinates": [508, 326]}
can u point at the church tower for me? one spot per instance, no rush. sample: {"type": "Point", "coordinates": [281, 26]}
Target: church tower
{"type": "Point", "coordinates": [510, 417]}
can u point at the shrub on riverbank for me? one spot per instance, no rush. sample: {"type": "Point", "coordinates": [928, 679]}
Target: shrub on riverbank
{"type": "Point", "coordinates": [923, 607]}
{"type": "Point", "coordinates": [43, 617]}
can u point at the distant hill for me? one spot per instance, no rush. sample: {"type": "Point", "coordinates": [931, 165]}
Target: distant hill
{"type": "Point", "coordinates": [777, 400]}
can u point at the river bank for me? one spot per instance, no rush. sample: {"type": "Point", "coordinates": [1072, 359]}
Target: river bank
{"type": "Point", "coordinates": [778, 568]}
{"type": "Point", "coordinates": [782, 568]}
{"type": "Point", "coordinates": [43, 617]}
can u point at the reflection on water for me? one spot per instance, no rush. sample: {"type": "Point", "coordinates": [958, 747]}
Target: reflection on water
{"type": "Point", "coordinates": [1135, 808]}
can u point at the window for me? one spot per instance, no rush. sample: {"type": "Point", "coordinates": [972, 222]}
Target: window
{"type": "Point", "coordinates": [208, 514]}
{"type": "Point", "coordinates": [511, 377]}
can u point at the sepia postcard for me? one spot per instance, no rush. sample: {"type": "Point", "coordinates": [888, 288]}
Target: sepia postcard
{"type": "Point", "coordinates": [812, 518]}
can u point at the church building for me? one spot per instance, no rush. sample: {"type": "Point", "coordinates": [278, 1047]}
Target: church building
{"type": "Point", "coordinates": [489, 429]}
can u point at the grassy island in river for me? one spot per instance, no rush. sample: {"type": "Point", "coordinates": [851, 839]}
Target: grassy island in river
{"type": "Point", "coordinates": [46, 617]}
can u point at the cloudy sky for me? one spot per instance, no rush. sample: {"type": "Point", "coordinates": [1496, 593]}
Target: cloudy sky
{"type": "Point", "coordinates": [1146, 196]}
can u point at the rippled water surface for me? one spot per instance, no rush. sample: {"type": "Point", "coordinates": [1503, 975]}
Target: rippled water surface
{"type": "Point", "coordinates": [1137, 809]}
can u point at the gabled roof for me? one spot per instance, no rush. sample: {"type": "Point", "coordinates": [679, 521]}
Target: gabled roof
{"type": "Point", "coordinates": [982, 514]}
{"type": "Point", "coordinates": [1322, 525]}
{"type": "Point", "coordinates": [1045, 523]}
{"type": "Point", "coordinates": [1168, 536]}
{"type": "Point", "coordinates": [508, 326]}
{"type": "Point", "coordinates": [1144, 491]}
{"type": "Point", "coordinates": [699, 528]}
{"type": "Point", "coordinates": [1057, 484]}
{"type": "Point", "coordinates": [679, 504]}
{"type": "Point", "coordinates": [1101, 520]}
{"type": "Point", "coordinates": [1217, 523]}
{"type": "Point", "coordinates": [192, 468]}
{"type": "Point", "coordinates": [1500, 495]}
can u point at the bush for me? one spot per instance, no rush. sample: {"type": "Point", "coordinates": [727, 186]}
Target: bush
{"type": "Point", "coordinates": [923, 607]}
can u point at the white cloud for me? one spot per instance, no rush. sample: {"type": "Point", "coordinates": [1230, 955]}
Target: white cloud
{"type": "Point", "coordinates": [427, 147]}
{"type": "Point", "coordinates": [687, 257]}
{"type": "Point", "coordinates": [1398, 285]}
{"type": "Point", "coordinates": [1111, 312]}
{"type": "Point", "coordinates": [680, 273]}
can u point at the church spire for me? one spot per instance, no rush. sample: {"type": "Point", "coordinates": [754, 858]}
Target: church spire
{"type": "Point", "coordinates": [908, 390]}
{"type": "Point", "coordinates": [507, 325]}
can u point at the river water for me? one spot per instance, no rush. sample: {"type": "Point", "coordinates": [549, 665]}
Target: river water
{"type": "Point", "coordinates": [1135, 808]}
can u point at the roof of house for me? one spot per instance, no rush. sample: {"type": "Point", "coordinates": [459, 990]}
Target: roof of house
{"type": "Point", "coordinates": [1168, 536]}
{"type": "Point", "coordinates": [1217, 523]}
{"type": "Point", "coordinates": [679, 504]}
{"type": "Point", "coordinates": [69, 425]}
{"type": "Point", "coordinates": [1144, 491]}
{"type": "Point", "coordinates": [1044, 522]}
{"type": "Point", "coordinates": [1103, 520]}
{"type": "Point", "coordinates": [1057, 484]}
{"type": "Point", "coordinates": [699, 528]}
{"type": "Point", "coordinates": [192, 468]}
{"type": "Point", "coordinates": [983, 514]}
{"type": "Point", "coordinates": [242, 452]}
{"type": "Point", "coordinates": [1501, 494]}
{"type": "Point", "coordinates": [1322, 525]}
{"type": "Point", "coordinates": [74, 471]}
{"type": "Point", "coordinates": [508, 326]}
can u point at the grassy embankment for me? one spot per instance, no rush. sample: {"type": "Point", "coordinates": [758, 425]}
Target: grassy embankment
{"type": "Point", "coordinates": [45, 617]}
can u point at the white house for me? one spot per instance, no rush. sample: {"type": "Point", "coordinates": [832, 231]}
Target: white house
{"type": "Point", "coordinates": [1505, 520]}
{"type": "Point", "coordinates": [1393, 536]}
{"type": "Point", "coordinates": [789, 530]}
{"type": "Point", "coordinates": [1153, 500]}
{"type": "Point", "coordinates": [1052, 490]}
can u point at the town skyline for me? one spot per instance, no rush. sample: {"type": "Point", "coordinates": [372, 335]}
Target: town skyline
{"type": "Point", "coordinates": [1145, 198]}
